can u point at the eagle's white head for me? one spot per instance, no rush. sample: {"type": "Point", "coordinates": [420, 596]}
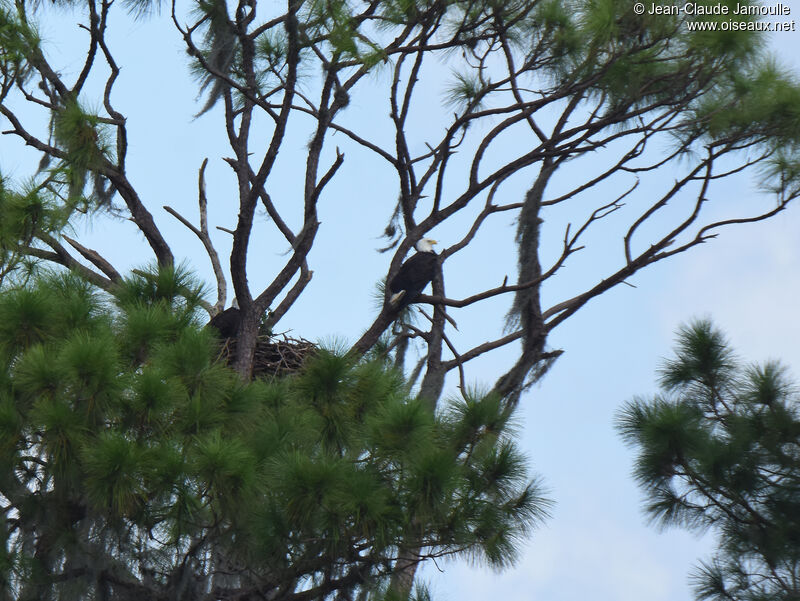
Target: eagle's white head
{"type": "Point", "coordinates": [425, 245]}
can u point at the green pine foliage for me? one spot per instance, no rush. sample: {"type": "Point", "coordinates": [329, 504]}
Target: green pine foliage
{"type": "Point", "coordinates": [38, 211]}
{"type": "Point", "coordinates": [19, 41]}
{"type": "Point", "coordinates": [81, 137]}
{"type": "Point", "coordinates": [720, 449]}
{"type": "Point", "coordinates": [26, 213]}
{"type": "Point", "coordinates": [134, 465]}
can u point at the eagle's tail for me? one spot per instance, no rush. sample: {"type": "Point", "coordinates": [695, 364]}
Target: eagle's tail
{"type": "Point", "coordinates": [396, 298]}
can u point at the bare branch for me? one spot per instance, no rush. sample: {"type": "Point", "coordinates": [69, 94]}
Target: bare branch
{"type": "Point", "coordinates": [95, 258]}
{"type": "Point", "coordinates": [483, 348]}
{"type": "Point", "coordinates": [294, 293]}
{"type": "Point", "coordinates": [62, 257]}
{"type": "Point", "coordinates": [205, 238]}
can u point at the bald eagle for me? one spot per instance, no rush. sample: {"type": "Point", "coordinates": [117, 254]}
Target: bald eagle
{"type": "Point", "coordinates": [416, 273]}
{"type": "Point", "coordinates": [227, 322]}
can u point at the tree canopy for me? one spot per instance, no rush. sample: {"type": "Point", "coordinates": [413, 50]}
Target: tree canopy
{"type": "Point", "coordinates": [561, 117]}
{"type": "Point", "coordinates": [535, 87]}
{"type": "Point", "coordinates": [136, 466]}
{"type": "Point", "coordinates": [720, 449]}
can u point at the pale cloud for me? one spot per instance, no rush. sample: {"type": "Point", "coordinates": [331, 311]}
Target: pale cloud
{"type": "Point", "coordinates": [749, 286]}
{"type": "Point", "coordinates": [601, 561]}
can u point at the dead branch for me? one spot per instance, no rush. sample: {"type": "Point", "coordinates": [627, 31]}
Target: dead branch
{"type": "Point", "coordinates": [95, 258]}
{"type": "Point", "coordinates": [204, 237]}
{"type": "Point", "coordinates": [294, 293]}
{"type": "Point", "coordinates": [60, 256]}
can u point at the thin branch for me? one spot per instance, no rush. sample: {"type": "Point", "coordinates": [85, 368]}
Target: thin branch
{"type": "Point", "coordinates": [62, 257]}
{"type": "Point", "coordinates": [205, 238]}
{"type": "Point", "coordinates": [483, 348]}
{"type": "Point", "coordinates": [95, 258]}
{"type": "Point", "coordinates": [294, 293]}
{"type": "Point", "coordinates": [457, 357]}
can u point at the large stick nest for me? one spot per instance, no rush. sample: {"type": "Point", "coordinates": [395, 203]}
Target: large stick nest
{"type": "Point", "coordinates": [276, 356]}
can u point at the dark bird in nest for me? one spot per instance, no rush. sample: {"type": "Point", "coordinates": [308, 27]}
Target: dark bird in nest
{"type": "Point", "coordinates": [227, 322]}
{"type": "Point", "coordinates": [416, 273]}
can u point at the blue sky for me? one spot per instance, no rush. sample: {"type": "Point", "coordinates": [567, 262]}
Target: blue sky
{"type": "Point", "coordinates": [597, 545]}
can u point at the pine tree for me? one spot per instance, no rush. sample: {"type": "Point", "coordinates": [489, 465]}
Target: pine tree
{"type": "Point", "coordinates": [557, 117]}
{"type": "Point", "coordinates": [135, 465]}
{"type": "Point", "coordinates": [719, 449]}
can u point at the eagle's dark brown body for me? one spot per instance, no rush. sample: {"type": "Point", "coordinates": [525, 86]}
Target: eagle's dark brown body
{"type": "Point", "coordinates": [227, 322]}
{"type": "Point", "coordinates": [416, 273]}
